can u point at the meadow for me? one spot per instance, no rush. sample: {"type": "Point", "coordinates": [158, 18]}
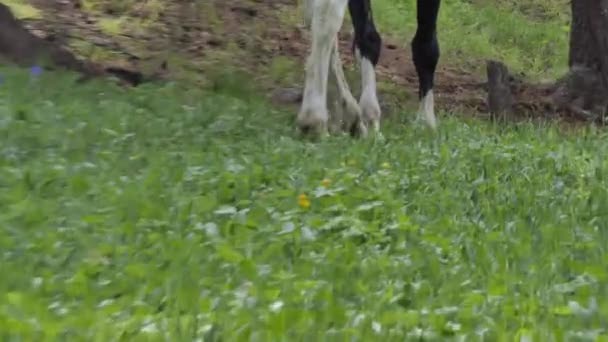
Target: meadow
{"type": "Point", "coordinates": [168, 212]}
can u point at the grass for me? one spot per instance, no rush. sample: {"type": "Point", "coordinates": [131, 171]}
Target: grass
{"type": "Point", "coordinates": [531, 37]}
{"type": "Point", "coordinates": [22, 10]}
{"type": "Point", "coordinates": [111, 26]}
{"type": "Point", "coordinates": [167, 213]}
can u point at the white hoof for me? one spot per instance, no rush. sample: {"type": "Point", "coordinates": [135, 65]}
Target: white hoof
{"type": "Point", "coordinates": [426, 110]}
{"type": "Point", "coordinates": [312, 122]}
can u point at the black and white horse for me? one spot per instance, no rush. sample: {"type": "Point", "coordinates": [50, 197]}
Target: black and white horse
{"type": "Point", "coordinates": [324, 18]}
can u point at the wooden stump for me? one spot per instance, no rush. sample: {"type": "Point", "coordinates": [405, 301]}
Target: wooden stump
{"type": "Point", "coordinates": [500, 98]}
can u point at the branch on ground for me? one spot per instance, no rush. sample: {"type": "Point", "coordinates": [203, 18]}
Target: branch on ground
{"type": "Point", "coordinates": [23, 48]}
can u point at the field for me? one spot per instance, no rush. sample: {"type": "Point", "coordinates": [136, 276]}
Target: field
{"type": "Point", "coordinates": [172, 212]}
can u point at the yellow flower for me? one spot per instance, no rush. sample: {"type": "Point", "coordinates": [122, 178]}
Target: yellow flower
{"type": "Point", "coordinates": [325, 182]}
{"type": "Point", "coordinates": [303, 201]}
{"type": "Point", "coordinates": [386, 165]}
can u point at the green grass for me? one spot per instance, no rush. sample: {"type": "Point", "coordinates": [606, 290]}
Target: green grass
{"type": "Point", "coordinates": [22, 10]}
{"type": "Point", "coordinates": [111, 26]}
{"type": "Point", "coordinates": [167, 213]}
{"type": "Point", "coordinates": [531, 37]}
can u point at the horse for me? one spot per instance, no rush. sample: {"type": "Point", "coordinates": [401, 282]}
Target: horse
{"type": "Point", "coordinates": [324, 19]}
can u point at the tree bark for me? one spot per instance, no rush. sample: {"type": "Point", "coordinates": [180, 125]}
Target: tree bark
{"type": "Point", "coordinates": [589, 36]}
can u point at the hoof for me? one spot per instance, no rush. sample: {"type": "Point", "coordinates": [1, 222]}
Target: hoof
{"type": "Point", "coordinates": [426, 110]}
{"type": "Point", "coordinates": [312, 125]}
{"type": "Point", "coordinates": [358, 129]}
{"type": "Point", "coordinates": [371, 113]}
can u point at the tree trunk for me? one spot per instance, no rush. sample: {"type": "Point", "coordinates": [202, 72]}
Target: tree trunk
{"type": "Point", "coordinates": [585, 88]}
{"type": "Point", "coordinates": [583, 92]}
{"type": "Point", "coordinates": [589, 36]}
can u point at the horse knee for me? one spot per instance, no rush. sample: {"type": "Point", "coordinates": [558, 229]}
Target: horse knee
{"type": "Point", "coordinates": [367, 39]}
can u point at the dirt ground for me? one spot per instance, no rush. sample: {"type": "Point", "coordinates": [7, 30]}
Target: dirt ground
{"type": "Point", "coordinates": [249, 34]}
